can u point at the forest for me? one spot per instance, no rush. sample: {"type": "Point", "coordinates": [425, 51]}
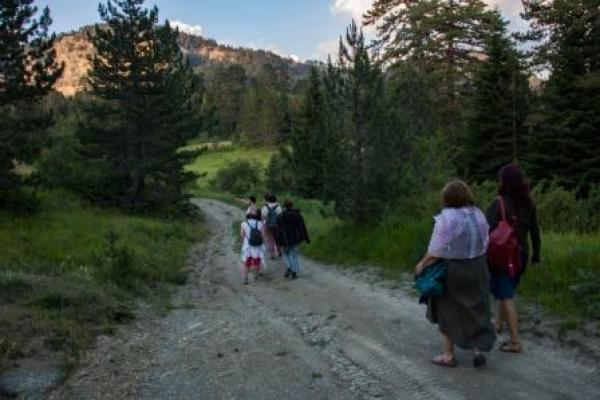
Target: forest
{"type": "Point", "coordinates": [91, 184]}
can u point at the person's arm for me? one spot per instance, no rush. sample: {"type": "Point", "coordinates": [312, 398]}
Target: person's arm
{"type": "Point", "coordinates": [242, 232]}
{"type": "Point", "coordinates": [492, 215]}
{"type": "Point", "coordinates": [263, 213]}
{"type": "Point", "coordinates": [439, 239]}
{"type": "Point", "coordinates": [304, 230]}
{"type": "Point", "coordinates": [536, 242]}
{"type": "Point", "coordinates": [426, 261]}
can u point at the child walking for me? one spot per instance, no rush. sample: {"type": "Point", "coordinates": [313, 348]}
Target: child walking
{"type": "Point", "coordinates": [253, 248]}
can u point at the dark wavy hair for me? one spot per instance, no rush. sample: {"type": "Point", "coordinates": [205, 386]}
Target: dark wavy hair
{"type": "Point", "coordinates": [514, 186]}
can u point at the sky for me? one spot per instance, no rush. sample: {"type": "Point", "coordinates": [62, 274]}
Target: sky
{"type": "Point", "coordinates": [301, 29]}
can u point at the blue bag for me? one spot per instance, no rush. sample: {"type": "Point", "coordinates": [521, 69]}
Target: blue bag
{"type": "Point", "coordinates": [432, 280]}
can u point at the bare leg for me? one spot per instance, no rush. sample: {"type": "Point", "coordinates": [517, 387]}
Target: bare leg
{"type": "Point", "coordinates": [244, 273]}
{"type": "Point", "coordinates": [446, 359]}
{"type": "Point", "coordinates": [500, 318]}
{"type": "Point", "coordinates": [447, 347]}
{"type": "Point", "coordinates": [510, 313]}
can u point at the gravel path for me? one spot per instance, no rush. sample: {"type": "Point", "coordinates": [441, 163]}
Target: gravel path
{"type": "Point", "coordinates": [331, 334]}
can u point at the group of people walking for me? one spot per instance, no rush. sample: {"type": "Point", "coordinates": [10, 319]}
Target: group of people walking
{"type": "Point", "coordinates": [478, 257]}
{"type": "Point", "coordinates": [274, 230]}
{"type": "Point", "coordinates": [463, 237]}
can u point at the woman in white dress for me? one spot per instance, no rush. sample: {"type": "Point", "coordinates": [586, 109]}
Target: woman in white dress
{"type": "Point", "coordinates": [253, 248]}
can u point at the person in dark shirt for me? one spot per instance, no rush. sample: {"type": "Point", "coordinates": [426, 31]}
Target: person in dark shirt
{"type": "Point", "coordinates": [291, 233]}
{"type": "Point", "coordinates": [522, 214]}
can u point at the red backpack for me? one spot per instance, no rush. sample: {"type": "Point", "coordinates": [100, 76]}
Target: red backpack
{"type": "Point", "coordinates": [504, 252]}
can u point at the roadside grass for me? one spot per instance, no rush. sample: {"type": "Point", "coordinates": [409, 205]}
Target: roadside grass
{"type": "Point", "coordinates": [568, 279]}
{"type": "Point", "coordinates": [395, 245]}
{"type": "Point", "coordinates": [73, 271]}
{"type": "Point", "coordinates": [567, 282]}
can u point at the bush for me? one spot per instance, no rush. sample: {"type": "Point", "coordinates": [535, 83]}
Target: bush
{"type": "Point", "coordinates": [280, 177]}
{"type": "Point", "coordinates": [560, 210]}
{"type": "Point", "coordinates": [241, 178]}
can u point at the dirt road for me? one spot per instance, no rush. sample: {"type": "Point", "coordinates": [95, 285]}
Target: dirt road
{"type": "Point", "coordinates": [329, 335]}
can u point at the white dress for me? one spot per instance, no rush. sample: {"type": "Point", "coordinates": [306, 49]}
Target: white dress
{"type": "Point", "coordinates": [252, 251]}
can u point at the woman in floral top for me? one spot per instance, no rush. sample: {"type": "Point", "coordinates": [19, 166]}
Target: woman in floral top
{"type": "Point", "coordinates": [463, 314]}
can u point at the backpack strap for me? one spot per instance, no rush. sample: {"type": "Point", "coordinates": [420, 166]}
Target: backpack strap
{"type": "Point", "coordinates": [502, 207]}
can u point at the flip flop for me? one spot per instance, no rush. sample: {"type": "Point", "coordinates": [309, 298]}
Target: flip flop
{"type": "Point", "coordinates": [479, 360]}
{"type": "Point", "coordinates": [510, 347]}
{"type": "Point", "coordinates": [442, 361]}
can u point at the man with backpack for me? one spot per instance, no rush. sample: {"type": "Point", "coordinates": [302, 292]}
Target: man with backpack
{"type": "Point", "coordinates": [269, 214]}
{"type": "Point", "coordinates": [292, 232]}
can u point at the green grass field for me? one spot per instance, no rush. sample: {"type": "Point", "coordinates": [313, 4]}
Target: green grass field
{"type": "Point", "coordinates": [73, 271]}
{"type": "Point", "coordinates": [216, 157]}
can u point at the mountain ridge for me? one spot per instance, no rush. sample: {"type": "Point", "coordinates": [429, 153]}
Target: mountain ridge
{"type": "Point", "coordinates": [204, 54]}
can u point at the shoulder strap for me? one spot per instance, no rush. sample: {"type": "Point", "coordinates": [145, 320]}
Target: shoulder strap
{"type": "Point", "coordinates": [502, 207]}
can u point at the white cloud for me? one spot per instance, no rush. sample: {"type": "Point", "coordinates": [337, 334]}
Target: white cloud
{"type": "Point", "coordinates": [351, 8]}
{"type": "Point", "coordinates": [508, 7]}
{"type": "Point", "coordinates": [511, 10]}
{"type": "Point", "coordinates": [326, 48]}
{"type": "Point", "coordinates": [195, 30]}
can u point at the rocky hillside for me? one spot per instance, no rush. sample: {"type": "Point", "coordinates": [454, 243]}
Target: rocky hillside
{"type": "Point", "coordinates": [74, 49]}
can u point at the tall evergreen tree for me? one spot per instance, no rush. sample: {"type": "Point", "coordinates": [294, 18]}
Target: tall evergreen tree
{"type": "Point", "coordinates": [337, 182]}
{"type": "Point", "coordinates": [444, 37]}
{"type": "Point", "coordinates": [309, 142]}
{"type": "Point", "coordinates": [497, 108]}
{"type": "Point", "coordinates": [146, 101]}
{"type": "Point", "coordinates": [264, 117]}
{"type": "Point", "coordinates": [370, 162]}
{"type": "Point", "coordinates": [566, 124]}
{"type": "Point", "coordinates": [28, 71]}
{"type": "Point", "coordinates": [226, 94]}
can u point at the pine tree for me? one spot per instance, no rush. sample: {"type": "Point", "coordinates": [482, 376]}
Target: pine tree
{"type": "Point", "coordinates": [369, 144]}
{"type": "Point", "coordinates": [497, 108]}
{"type": "Point", "coordinates": [564, 140]}
{"type": "Point", "coordinates": [145, 105]}
{"type": "Point", "coordinates": [337, 181]}
{"type": "Point", "coordinates": [309, 142]}
{"type": "Point", "coordinates": [28, 71]}
{"type": "Point", "coordinates": [443, 37]}
{"type": "Point", "coordinates": [226, 94]}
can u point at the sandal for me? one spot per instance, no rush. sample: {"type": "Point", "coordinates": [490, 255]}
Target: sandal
{"type": "Point", "coordinates": [511, 347]}
{"type": "Point", "coordinates": [444, 361]}
{"type": "Point", "coordinates": [479, 360]}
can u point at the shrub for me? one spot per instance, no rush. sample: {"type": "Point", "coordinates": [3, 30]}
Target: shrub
{"type": "Point", "coordinates": [117, 264]}
{"type": "Point", "coordinates": [560, 210]}
{"type": "Point", "coordinates": [241, 178]}
{"type": "Point", "coordinates": [280, 176]}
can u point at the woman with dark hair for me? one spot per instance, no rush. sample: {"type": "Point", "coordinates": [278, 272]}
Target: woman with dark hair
{"type": "Point", "coordinates": [462, 312]}
{"type": "Point", "coordinates": [521, 213]}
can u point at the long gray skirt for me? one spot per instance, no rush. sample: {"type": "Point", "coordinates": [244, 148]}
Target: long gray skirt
{"type": "Point", "coordinates": [463, 312]}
